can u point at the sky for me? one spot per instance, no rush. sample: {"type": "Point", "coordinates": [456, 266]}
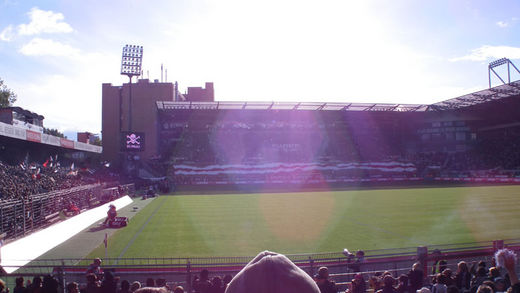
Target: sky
{"type": "Point", "coordinates": [56, 54]}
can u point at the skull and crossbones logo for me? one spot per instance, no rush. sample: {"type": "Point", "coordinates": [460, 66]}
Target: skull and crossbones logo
{"type": "Point", "coordinates": [132, 139]}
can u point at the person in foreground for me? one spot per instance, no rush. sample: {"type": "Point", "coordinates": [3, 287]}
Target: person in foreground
{"type": "Point", "coordinates": [270, 272]}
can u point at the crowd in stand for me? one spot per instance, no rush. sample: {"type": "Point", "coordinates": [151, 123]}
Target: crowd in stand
{"type": "Point", "coordinates": [307, 138]}
{"type": "Point", "coordinates": [23, 180]}
{"type": "Point", "coordinates": [491, 158]}
{"type": "Point", "coordinates": [272, 273]}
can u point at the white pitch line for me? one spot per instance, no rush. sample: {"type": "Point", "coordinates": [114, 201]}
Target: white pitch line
{"type": "Point", "coordinates": [20, 252]}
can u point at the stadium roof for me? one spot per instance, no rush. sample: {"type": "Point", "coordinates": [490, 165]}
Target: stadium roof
{"type": "Point", "coordinates": [289, 106]}
{"type": "Point", "coordinates": [480, 97]}
{"type": "Point", "coordinates": [488, 95]}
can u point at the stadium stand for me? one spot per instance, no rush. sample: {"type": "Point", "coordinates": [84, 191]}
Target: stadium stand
{"type": "Point", "coordinates": [399, 270]}
{"type": "Point", "coordinates": [245, 143]}
{"type": "Point", "coordinates": [44, 178]}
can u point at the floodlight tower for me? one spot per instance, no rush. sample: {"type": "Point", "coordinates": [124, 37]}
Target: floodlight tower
{"type": "Point", "coordinates": [131, 66]}
{"type": "Point", "coordinates": [499, 62]}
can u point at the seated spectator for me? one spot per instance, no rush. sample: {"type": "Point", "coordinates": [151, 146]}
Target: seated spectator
{"type": "Point", "coordinates": [415, 276]}
{"type": "Point", "coordinates": [388, 285]}
{"type": "Point", "coordinates": [19, 287]}
{"type": "Point", "coordinates": [178, 289]}
{"type": "Point", "coordinates": [36, 285]}
{"type": "Point", "coordinates": [358, 284]}
{"type": "Point", "coordinates": [484, 289]}
{"type": "Point", "coordinates": [135, 285]}
{"type": "Point", "coordinates": [463, 276]}
{"type": "Point", "coordinates": [479, 278]}
{"type": "Point", "coordinates": [216, 285]}
{"type": "Point", "coordinates": [375, 283]}
{"type": "Point", "coordinates": [92, 284]}
{"type": "Point", "coordinates": [125, 287]}
{"type": "Point", "coordinates": [160, 282]}
{"type": "Point", "coordinates": [440, 284]}
{"type": "Point", "coordinates": [323, 282]}
{"type": "Point", "coordinates": [202, 284]}
{"type": "Point", "coordinates": [49, 284]}
{"type": "Point", "coordinates": [150, 282]}
{"type": "Point", "coordinates": [72, 287]}
{"type": "Point", "coordinates": [493, 273]}
{"type": "Point", "coordinates": [449, 278]}
{"type": "Point", "coordinates": [109, 283]}
{"type": "Point", "coordinates": [402, 286]}
{"type": "Point", "coordinates": [270, 272]}
{"type": "Point", "coordinates": [490, 284]}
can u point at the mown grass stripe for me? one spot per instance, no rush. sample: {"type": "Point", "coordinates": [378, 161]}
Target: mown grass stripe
{"type": "Point", "coordinates": [131, 242]}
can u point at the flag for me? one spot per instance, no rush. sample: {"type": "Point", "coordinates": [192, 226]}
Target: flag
{"type": "Point", "coordinates": [72, 166]}
{"type": "Point", "coordinates": [105, 241]}
{"type": "Point", "coordinates": [46, 163]}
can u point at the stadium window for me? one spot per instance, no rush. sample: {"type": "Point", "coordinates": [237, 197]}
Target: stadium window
{"type": "Point", "coordinates": [449, 136]}
{"type": "Point", "coordinates": [459, 136]}
{"type": "Point", "coordinates": [436, 124]}
{"type": "Point", "coordinates": [425, 137]}
{"type": "Point", "coordinates": [473, 136]}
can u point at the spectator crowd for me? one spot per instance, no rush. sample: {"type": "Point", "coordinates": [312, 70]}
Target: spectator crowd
{"type": "Point", "coordinates": [26, 179]}
{"type": "Point", "coordinates": [272, 273]}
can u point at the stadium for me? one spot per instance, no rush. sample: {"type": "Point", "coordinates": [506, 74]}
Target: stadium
{"type": "Point", "coordinates": [206, 185]}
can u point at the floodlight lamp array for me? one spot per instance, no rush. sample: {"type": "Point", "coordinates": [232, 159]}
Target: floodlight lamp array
{"type": "Point", "coordinates": [498, 62]}
{"type": "Point", "coordinates": [132, 59]}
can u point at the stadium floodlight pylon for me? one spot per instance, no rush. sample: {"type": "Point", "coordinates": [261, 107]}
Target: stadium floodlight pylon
{"type": "Point", "coordinates": [131, 61]}
{"type": "Point", "coordinates": [497, 63]}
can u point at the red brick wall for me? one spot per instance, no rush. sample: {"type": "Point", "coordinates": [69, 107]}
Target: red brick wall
{"type": "Point", "coordinates": [144, 114]}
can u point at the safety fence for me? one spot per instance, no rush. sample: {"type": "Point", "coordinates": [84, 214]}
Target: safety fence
{"type": "Point", "coordinates": [342, 266]}
{"type": "Point", "coordinates": [22, 216]}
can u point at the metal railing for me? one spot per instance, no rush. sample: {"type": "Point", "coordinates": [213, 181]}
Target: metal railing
{"type": "Point", "coordinates": [18, 217]}
{"type": "Point", "coordinates": [341, 267]}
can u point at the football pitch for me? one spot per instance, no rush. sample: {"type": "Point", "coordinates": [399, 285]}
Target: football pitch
{"type": "Point", "coordinates": [310, 222]}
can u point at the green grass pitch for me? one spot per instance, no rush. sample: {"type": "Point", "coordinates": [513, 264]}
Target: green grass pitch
{"type": "Point", "coordinates": [308, 222]}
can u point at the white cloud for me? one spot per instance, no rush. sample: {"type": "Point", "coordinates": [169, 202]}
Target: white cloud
{"type": "Point", "coordinates": [41, 47]}
{"type": "Point", "coordinates": [44, 22]}
{"type": "Point", "coordinates": [70, 101]}
{"type": "Point", "coordinates": [490, 52]}
{"type": "Point", "coordinates": [502, 24]}
{"type": "Point", "coordinates": [7, 34]}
